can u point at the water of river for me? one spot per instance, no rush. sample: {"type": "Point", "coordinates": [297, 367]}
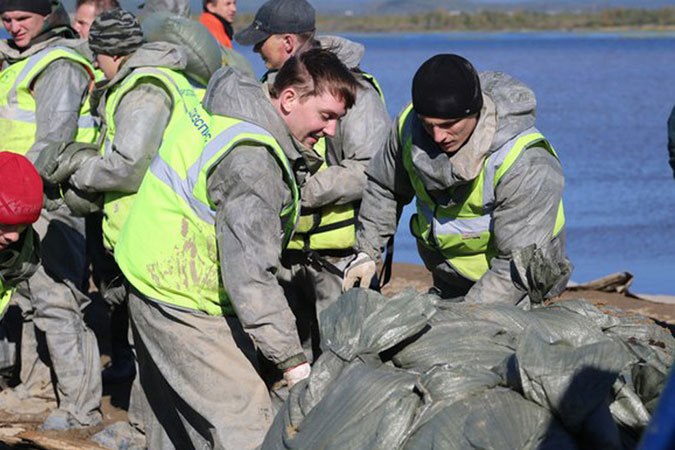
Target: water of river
{"type": "Point", "coordinates": [603, 101]}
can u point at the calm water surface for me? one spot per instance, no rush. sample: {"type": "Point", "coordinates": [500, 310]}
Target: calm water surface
{"type": "Point", "coordinates": [603, 101]}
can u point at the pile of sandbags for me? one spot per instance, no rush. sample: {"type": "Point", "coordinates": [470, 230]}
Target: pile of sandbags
{"type": "Point", "coordinates": [415, 372]}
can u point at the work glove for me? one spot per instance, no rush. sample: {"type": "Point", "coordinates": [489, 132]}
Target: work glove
{"type": "Point", "coordinates": [68, 161]}
{"type": "Point", "coordinates": [47, 160]}
{"type": "Point", "coordinates": [52, 199]}
{"type": "Point", "coordinates": [81, 203]}
{"type": "Point", "coordinates": [296, 374]}
{"type": "Point", "coordinates": [51, 204]}
{"type": "Point", "coordinates": [541, 275]}
{"type": "Point", "coordinates": [359, 272]}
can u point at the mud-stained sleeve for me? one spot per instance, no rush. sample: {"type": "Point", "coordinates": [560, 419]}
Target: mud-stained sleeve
{"type": "Point", "coordinates": [360, 134]}
{"type": "Point", "coordinates": [249, 193]}
{"type": "Point", "coordinates": [59, 92]}
{"type": "Point", "coordinates": [526, 200]}
{"type": "Point", "coordinates": [141, 118]}
{"type": "Point", "coordinates": [387, 191]}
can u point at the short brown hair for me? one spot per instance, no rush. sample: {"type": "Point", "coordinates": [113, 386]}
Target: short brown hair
{"type": "Point", "coordinates": [315, 72]}
{"type": "Point", "coordinates": [99, 5]}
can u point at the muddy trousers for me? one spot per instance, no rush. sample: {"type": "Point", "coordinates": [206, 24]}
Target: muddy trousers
{"type": "Point", "coordinates": [55, 310]}
{"type": "Point", "coordinates": [198, 379]}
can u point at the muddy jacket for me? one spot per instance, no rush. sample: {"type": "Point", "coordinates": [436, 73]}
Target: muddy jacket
{"type": "Point", "coordinates": [17, 263]}
{"type": "Point", "coordinates": [359, 135]}
{"type": "Point", "coordinates": [249, 192]}
{"type": "Point", "coordinates": [61, 88]}
{"type": "Point", "coordinates": [139, 120]}
{"type": "Point", "coordinates": [527, 197]}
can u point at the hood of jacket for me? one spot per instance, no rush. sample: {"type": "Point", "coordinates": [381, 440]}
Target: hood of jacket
{"type": "Point", "coordinates": [236, 94]}
{"type": "Point", "coordinates": [515, 105]}
{"type": "Point", "coordinates": [56, 31]}
{"type": "Point", "coordinates": [349, 52]}
{"type": "Point", "coordinates": [508, 109]}
{"type": "Point", "coordinates": [151, 54]}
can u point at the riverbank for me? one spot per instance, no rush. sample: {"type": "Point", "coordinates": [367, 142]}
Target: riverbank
{"type": "Point", "coordinates": [442, 20]}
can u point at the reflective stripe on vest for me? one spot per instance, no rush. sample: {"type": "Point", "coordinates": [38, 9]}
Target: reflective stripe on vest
{"type": "Point", "coordinates": [331, 227]}
{"type": "Point", "coordinates": [463, 232]}
{"type": "Point", "coordinates": [116, 205]}
{"type": "Point", "coordinates": [5, 297]}
{"type": "Point", "coordinates": [370, 78]}
{"type": "Point", "coordinates": [18, 124]}
{"type": "Point", "coordinates": [168, 248]}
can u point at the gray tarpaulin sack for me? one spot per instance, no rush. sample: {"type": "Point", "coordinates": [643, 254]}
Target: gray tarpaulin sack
{"type": "Point", "coordinates": [202, 50]}
{"type": "Point", "coordinates": [415, 372]}
{"type": "Point", "coordinates": [356, 330]}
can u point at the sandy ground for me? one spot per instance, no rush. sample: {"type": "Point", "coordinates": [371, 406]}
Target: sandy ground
{"type": "Point", "coordinates": [21, 431]}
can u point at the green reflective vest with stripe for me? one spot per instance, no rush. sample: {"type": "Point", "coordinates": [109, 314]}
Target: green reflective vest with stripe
{"type": "Point", "coordinates": [168, 248]}
{"type": "Point", "coordinates": [462, 232]}
{"type": "Point", "coordinates": [186, 110]}
{"type": "Point", "coordinates": [370, 78]}
{"type": "Point", "coordinates": [5, 297]}
{"type": "Point", "coordinates": [28, 253]}
{"type": "Point", "coordinates": [18, 124]}
{"type": "Point", "coordinates": [331, 227]}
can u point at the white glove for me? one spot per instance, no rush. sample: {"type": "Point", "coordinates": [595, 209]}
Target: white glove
{"type": "Point", "coordinates": [361, 270]}
{"type": "Point", "coordinates": [296, 374]}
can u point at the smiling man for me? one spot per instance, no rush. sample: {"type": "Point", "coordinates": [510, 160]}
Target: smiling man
{"type": "Point", "coordinates": [323, 245]}
{"type": "Point", "coordinates": [487, 186]}
{"type": "Point", "coordinates": [201, 248]}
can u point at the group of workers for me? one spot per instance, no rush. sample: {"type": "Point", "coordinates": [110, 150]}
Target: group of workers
{"type": "Point", "coordinates": [233, 211]}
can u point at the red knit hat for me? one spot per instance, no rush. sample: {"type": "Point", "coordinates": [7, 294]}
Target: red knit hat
{"type": "Point", "coordinates": [20, 190]}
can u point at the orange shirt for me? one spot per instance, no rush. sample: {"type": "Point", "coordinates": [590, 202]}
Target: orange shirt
{"type": "Point", "coordinates": [212, 23]}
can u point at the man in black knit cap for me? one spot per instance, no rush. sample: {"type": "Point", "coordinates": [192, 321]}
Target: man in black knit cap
{"type": "Point", "coordinates": [488, 189]}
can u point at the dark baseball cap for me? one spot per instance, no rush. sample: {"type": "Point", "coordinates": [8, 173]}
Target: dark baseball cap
{"type": "Point", "coordinates": [277, 17]}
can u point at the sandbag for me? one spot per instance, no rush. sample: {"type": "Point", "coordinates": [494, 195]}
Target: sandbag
{"type": "Point", "coordinates": [573, 382]}
{"type": "Point", "coordinates": [415, 372]}
{"type": "Point", "coordinates": [461, 343]}
{"type": "Point", "coordinates": [233, 58]}
{"type": "Point", "coordinates": [366, 409]}
{"type": "Point", "coordinates": [202, 50]}
{"type": "Point", "coordinates": [496, 419]}
{"type": "Point", "coordinates": [178, 7]}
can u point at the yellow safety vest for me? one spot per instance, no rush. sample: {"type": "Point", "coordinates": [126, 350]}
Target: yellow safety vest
{"type": "Point", "coordinates": [331, 227]}
{"type": "Point", "coordinates": [26, 253]}
{"type": "Point", "coordinates": [17, 105]}
{"type": "Point", "coordinates": [168, 248]}
{"type": "Point", "coordinates": [186, 105]}
{"type": "Point", "coordinates": [5, 297]}
{"type": "Point", "coordinates": [462, 232]}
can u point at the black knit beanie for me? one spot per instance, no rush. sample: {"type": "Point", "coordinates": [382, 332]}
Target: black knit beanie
{"type": "Point", "coordinates": [116, 33]}
{"type": "Point", "coordinates": [446, 87]}
{"type": "Point", "coordinates": [42, 7]}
